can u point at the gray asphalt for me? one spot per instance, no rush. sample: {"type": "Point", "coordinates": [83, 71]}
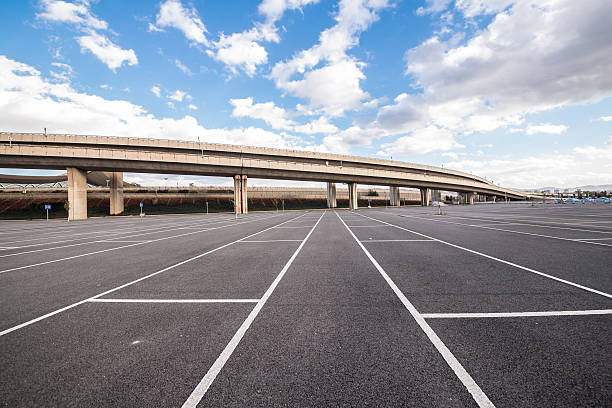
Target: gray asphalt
{"type": "Point", "coordinates": [82, 323]}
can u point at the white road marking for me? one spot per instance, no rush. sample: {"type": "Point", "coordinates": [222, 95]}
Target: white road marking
{"type": "Point", "coordinates": [368, 226]}
{"type": "Point", "coordinates": [397, 240]}
{"type": "Point", "coordinates": [505, 230]}
{"type": "Point", "coordinates": [593, 239]}
{"type": "Point", "coordinates": [305, 226]}
{"type": "Point", "coordinates": [501, 260]}
{"type": "Point", "coordinates": [516, 314]}
{"type": "Point", "coordinates": [106, 300]}
{"type": "Point", "coordinates": [118, 240]}
{"type": "Point", "coordinates": [276, 240]}
{"type": "Point", "coordinates": [119, 247]}
{"type": "Point", "coordinates": [479, 396]}
{"type": "Point", "coordinates": [89, 299]}
{"type": "Point", "coordinates": [200, 390]}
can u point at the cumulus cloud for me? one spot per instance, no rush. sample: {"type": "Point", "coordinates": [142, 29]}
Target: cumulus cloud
{"type": "Point", "coordinates": [192, 107]}
{"type": "Point", "coordinates": [583, 165]}
{"type": "Point", "coordinates": [278, 118]}
{"type": "Point", "coordinates": [156, 91]}
{"type": "Point", "coordinates": [274, 116]}
{"type": "Point", "coordinates": [421, 141]}
{"type": "Point", "coordinates": [524, 60]}
{"type": "Point", "coordinates": [173, 14]}
{"type": "Point", "coordinates": [528, 59]}
{"type": "Point", "coordinates": [325, 74]}
{"type": "Point", "coordinates": [545, 128]}
{"type": "Point", "coordinates": [244, 51]}
{"type": "Point", "coordinates": [29, 102]}
{"type": "Point", "coordinates": [606, 118]}
{"type": "Point", "coordinates": [179, 95]}
{"type": "Point", "coordinates": [65, 12]}
{"type": "Point", "coordinates": [80, 16]}
{"type": "Point", "coordinates": [107, 51]}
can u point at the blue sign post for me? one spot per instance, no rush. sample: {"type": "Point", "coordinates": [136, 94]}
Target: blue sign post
{"type": "Point", "coordinates": [47, 207]}
{"type": "Point", "coordinates": [141, 205]}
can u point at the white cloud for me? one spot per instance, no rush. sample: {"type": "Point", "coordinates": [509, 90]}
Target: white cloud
{"type": "Point", "coordinates": [545, 128]}
{"type": "Point", "coordinates": [585, 165]}
{"type": "Point", "coordinates": [524, 61]}
{"type": "Point", "coordinates": [421, 141]}
{"type": "Point", "coordinates": [173, 14]}
{"type": "Point", "coordinates": [243, 51]}
{"type": "Point", "coordinates": [106, 51]}
{"type": "Point", "coordinates": [63, 73]}
{"type": "Point", "coordinates": [76, 13]}
{"type": "Point", "coordinates": [29, 102]}
{"type": "Point", "coordinates": [240, 51]}
{"type": "Point", "coordinates": [274, 9]}
{"type": "Point", "coordinates": [320, 125]}
{"type": "Point", "coordinates": [606, 118]}
{"type": "Point", "coordinates": [106, 86]}
{"type": "Point", "coordinates": [273, 115]}
{"type": "Point", "coordinates": [182, 67]}
{"type": "Point", "coordinates": [179, 95]}
{"type": "Point", "coordinates": [156, 91]}
{"type": "Point", "coordinates": [192, 107]}
{"type": "Point", "coordinates": [333, 87]}
{"type": "Point", "coordinates": [279, 118]}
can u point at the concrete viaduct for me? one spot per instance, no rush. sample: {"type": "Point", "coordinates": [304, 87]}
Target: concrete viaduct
{"type": "Point", "coordinates": [79, 154]}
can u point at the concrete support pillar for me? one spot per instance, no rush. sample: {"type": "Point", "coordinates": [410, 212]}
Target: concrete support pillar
{"type": "Point", "coordinates": [116, 192]}
{"type": "Point", "coordinates": [77, 194]}
{"type": "Point", "coordinates": [436, 195]}
{"type": "Point", "coordinates": [244, 196]}
{"type": "Point", "coordinates": [331, 195]}
{"type": "Point", "coordinates": [241, 205]}
{"type": "Point", "coordinates": [394, 196]}
{"type": "Point", "coordinates": [425, 197]}
{"type": "Point", "coordinates": [471, 198]}
{"type": "Point", "coordinates": [352, 188]}
{"type": "Point", "coordinates": [238, 194]}
{"type": "Point", "coordinates": [494, 199]}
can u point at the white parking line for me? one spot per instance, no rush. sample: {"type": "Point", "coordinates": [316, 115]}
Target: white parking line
{"type": "Point", "coordinates": [500, 260]}
{"type": "Point", "coordinates": [479, 396]}
{"type": "Point", "coordinates": [89, 299]}
{"type": "Point", "coordinates": [200, 390]}
{"type": "Point", "coordinates": [506, 230]}
{"type": "Point", "coordinates": [119, 247]}
{"type": "Point", "coordinates": [368, 226]}
{"type": "Point", "coordinates": [106, 300]}
{"type": "Point", "coordinates": [306, 226]}
{"type": "Point", "coordinates": [397, 240]}
{"type": "Point", "coordinates": [516, 314]}
{"type": "Point", "coordinates": [275, 240]}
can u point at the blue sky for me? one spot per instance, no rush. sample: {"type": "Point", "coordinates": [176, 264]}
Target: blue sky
{"type": "Point", "coordinates": [518, 91]}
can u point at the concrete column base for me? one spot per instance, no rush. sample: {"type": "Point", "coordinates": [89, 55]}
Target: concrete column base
{"type": "Point", "coordinates": [243, 195]}
{"type": "Point", "coordinates": [77, 194]}
{"type": "Point", "coordinates": [394, 196]}
{"type": "Point", "coordinates": [425, 197]}
{"type": "Point", "coordinates": [331, 195]}
{"type": "Point", "coordinates": [116, 192]}
{"type": "Point", "coordinates": [352, 188]}
{"type": "Point", "coordinates": [240, 194]}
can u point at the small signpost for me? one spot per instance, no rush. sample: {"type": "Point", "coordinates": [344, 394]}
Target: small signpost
{"type": "Point", "coordinates": [141, 213]}
{"type": "Point", "coordinates": [47, 208]}
{"type": "Point", "coordinates": [207, 207]}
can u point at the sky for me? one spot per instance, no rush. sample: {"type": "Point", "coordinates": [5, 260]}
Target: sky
{"type": "Point", "coordinates": [517, 91]}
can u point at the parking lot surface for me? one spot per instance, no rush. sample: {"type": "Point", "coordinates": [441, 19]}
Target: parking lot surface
{"type": "Point", "coordinates": [506, 305]}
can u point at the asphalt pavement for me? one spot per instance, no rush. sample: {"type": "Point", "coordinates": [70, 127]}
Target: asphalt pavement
{"type": "Point", "coordinates": [506, 305]}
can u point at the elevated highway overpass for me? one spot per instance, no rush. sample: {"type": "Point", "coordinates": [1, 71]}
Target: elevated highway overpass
{"type": "Point", "coordinates": [79, 154]}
